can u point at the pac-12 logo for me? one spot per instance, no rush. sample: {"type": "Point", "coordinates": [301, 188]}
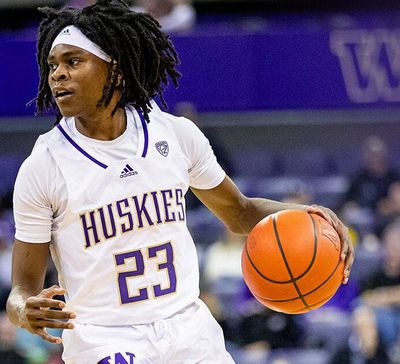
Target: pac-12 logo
{"type": "Point", "coordinates": [162, 148]}
{"type": "Point", "coordinates": [118, 358]}
{"type": "Point", "coordinates": [370, 63]}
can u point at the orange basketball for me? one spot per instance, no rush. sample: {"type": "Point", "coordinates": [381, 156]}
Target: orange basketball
{"type": "Point", "coordinates": [291, 261]}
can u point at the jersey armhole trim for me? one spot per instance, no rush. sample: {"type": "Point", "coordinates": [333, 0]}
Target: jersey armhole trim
{"type": "Point", "coordinates": [145, 135]}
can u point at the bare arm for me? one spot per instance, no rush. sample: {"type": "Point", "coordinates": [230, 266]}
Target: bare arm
{"type": "Point", "coordinates": [29, 264]}
{"type": "Point", "coordinates": [241, 213]}
{"type": "Point", "coordinates": [29, 305]}
{"type": "Point", "coordinates": [237, 211]}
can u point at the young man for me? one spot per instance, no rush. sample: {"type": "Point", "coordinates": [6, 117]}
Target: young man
{"type": "Point", "coordinates": [104, 190]}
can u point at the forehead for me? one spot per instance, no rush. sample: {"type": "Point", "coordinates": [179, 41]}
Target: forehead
{"type": "Point", "coordinates": [65, 50]}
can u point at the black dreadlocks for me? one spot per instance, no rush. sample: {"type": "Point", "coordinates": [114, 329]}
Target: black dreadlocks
{"type": "Point", "coordinates": [142, 52]}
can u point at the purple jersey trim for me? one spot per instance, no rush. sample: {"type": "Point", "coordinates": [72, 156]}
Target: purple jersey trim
{"type": "Point", "coordinates": [74, 144]}
{"type": "Point", "coordinates": [145, 134]}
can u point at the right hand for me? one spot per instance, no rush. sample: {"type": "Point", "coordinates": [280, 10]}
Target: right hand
{"type": "Point", "coordinates": [343, 232]}
{"type": "Point", "coordinates": [42, 311]}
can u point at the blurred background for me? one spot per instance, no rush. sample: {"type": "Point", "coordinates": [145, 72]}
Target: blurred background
{"type": "Point", "coordinates": [301, 102]}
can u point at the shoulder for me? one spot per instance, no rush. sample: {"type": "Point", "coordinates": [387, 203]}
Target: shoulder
{"type": "Point", "coordinates": [37, 167]}
{"type": "Point", "coordinates": [185, 128]}
{"type": "Point", "coordinates": [180, 124]}
{"type": "Point", "coordinates": [38, 157]}
{"type": "Point", "coordinates": [186, 131]}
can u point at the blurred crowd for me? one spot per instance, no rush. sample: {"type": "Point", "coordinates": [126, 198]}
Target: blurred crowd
{"type": "Point", "coordinates": [173, 15]}
{"type": "Point", "coordinates": [361, 323]}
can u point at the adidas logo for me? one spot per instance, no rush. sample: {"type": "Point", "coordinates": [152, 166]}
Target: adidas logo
{"type": "Point", "coordinates": [66, 32]}
{"type": "Point", "coordinates": [128, 171]}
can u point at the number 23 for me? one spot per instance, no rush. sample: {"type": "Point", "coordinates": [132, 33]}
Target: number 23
{"type": "Point", "coordinates": [136, 259]}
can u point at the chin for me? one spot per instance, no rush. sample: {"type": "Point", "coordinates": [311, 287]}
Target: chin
{"type": "Point", "coordinates": [67, 112]}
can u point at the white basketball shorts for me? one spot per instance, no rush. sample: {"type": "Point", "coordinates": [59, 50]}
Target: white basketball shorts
{"type": "Point", "coordinates": [190, 336]}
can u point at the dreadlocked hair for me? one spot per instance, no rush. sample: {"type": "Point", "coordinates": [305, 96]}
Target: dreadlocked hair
{"type": "Point", "coordinates": [141, 51]}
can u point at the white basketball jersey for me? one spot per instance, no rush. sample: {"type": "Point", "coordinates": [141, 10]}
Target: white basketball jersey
{"type": "Point", "coordinates": [123, 250]}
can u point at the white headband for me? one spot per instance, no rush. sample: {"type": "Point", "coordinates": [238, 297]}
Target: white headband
{"type": "Point", "coordinates": [73, 36]}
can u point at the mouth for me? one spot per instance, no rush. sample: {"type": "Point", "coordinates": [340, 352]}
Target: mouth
{"type": "Point", "coordinates": [61, 95]}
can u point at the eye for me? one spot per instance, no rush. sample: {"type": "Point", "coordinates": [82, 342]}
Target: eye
{"type": "Point", "coordinates": [52, 67]}
{"type": "Point", "coordinates": [74, 61]}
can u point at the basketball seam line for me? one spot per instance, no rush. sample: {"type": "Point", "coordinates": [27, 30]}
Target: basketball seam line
{"type": "Point", "coordinates": [308, 293]}
{"type": "Point", "coordinates": [264, 276]}
{"type": "Point", "coordinates": [292, 299]}
{"type": "Point", "coordinates": [315, 304]}
{"type": "Point", "coordinates": [260, 273]}
{"type": "Point", "coordinates": [292, 278]}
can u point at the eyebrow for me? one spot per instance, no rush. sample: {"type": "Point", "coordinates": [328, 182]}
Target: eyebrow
{"type": "Point", "coordinates": [67, 54]}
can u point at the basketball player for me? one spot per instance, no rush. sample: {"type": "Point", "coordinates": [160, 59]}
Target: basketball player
{"type": "Point", "coordinates": [104, 192]}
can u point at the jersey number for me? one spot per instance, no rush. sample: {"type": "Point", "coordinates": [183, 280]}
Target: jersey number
{"type": "Point", "coordinates": [135, 258]}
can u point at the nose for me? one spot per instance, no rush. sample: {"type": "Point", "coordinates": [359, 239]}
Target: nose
{"type": "Point", "coordinates": [60, 73]}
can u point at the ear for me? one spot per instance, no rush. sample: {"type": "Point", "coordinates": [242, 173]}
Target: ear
{"type": "Point", "coordinates": [116, 74]}
{"type": "Point", "coordinates": [120, 79]}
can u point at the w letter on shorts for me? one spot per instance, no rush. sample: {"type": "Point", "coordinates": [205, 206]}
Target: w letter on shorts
{"type": "Point", "coordinates": [119, 358]}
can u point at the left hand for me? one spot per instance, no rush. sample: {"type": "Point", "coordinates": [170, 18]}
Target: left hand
{"type": "Point", "coordinates": [343, 231]}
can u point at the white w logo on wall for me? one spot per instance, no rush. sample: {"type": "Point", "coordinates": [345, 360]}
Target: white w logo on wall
{"type": "Point", "coordinates": [370, 63]}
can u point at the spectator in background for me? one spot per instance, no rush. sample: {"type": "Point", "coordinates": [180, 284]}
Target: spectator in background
{"type": "Point", "coordinates": [173, 15]}
{"type": "Point", "coordinates": [368, 187]}
{"type": "Point", "coordinates": [376, 320]}
{"type": "Point", "coordinates": [222, 280]}
{"type": "Point", "coordinates": [229, 251]}
{"type": "Point", "coordinates": [372, 181]}
{"type": "Point", "coordinates": [8, 352]}
{"type": "Point", "coordinates": [261, 328]}
{"type": "Point", "coordinates": [389, 207]}
{"type": "Point", "coordinates": [5, 264]}
{"type": "Point", "coordinates": [365, 346]}
{"type": "Point", "coordinates": [381, 291]}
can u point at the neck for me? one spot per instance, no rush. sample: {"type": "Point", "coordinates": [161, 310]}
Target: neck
{"type": "Point", "coordinates": [102, 124]}
{"type": "Point", "coordinates": [103, 127]}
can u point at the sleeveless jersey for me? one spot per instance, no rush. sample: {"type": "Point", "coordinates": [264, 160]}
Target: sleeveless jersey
{"type": "Point", "coordinates": [123, 251]}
